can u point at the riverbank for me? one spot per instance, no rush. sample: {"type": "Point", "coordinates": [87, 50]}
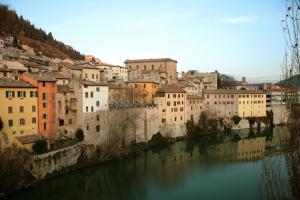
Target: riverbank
{"type": "Point", "coordinates": [90, 155]}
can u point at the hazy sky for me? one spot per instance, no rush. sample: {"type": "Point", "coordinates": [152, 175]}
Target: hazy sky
{"type": "Point", "coordinates": [237, 37]}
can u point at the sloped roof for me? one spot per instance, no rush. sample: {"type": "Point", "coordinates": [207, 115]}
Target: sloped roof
{"type": "Point", "coordinates": [28, 139]}
{"type": "Point", "coordinates": [91, 83]}
{"type": "Point", "coordinates": [64, 88]}
{"type": "Point", "coordinates": [11, 83]}
{"type": "Point", "coordinates": [171, 89]}
{"type": "Point", "coordinates": [233, 92]}
{"type": "Point", "coordinates": [43, 76]}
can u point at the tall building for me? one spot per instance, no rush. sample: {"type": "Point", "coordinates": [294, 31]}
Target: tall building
{"type": "Point", "coordinates": [162, 65]}
{"type": "Point", "coordinates": [46, 84]}
{"type": "Point", "coordinates": [19, 113]}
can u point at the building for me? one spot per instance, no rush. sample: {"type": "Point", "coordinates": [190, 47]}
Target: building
{"type": "Point", "coordinates": [227, 103]}
{"type": "Point", "coordinates": [209, 81]}
{"type": "Point", "coordinates": [6, 73]}
{"type": "Point", "coordinates": [66, 111]}
{"type": "Point", "coordinates": [84, 71]}
{"type": "Point", "coordinates": [194, 106]}
{"type": "Point", "coordinates": [19, 113]}
{"type": "Point", "coordinates": [46, 84]}
{"type": "Point", "coordinates": [143, 91]}
{"type": "Point", "coordinates": [118, 95]}
{"type": "Point", "coordinates": [162, 65]}
{"type": "Point", "coordinates": [92, 97]}
{"type": "Point", "coordinates": [171, 101]}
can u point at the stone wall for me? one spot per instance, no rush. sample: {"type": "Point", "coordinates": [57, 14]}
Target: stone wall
{"type": "Point", "coordinates": [54, 161]}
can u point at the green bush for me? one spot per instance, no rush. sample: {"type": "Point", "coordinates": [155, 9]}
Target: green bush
{"type": "Point", "coordinates": [251, 121]}
{"type": "Point", "coordinates": [190, 127]}
{"type": "Point", "coordinates": [203, 121]}
{"type": "Point", "coordinates": [40, 146]}
{"type": "Point", "coordinates": [236, 119]}
{"type": "Point", "coordinates": [79, 135]}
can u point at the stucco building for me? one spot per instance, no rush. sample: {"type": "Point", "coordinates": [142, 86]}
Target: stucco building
{"type": "Point", "coordinates": [143, 91]}
{"type": "Point", "coordinates": [194, 106]}
{"type": "Point", "coordinates": [46, 84]}
{"type": "Point", "coordinates": [227, 103]}
{"type": "Point", "coordinates": [162, 65]}
{"type": "Point", "coordinates": [19, 113]}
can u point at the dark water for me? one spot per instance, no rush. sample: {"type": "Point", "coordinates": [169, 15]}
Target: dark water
{"type": "Point", "coordinates": [185, 170]}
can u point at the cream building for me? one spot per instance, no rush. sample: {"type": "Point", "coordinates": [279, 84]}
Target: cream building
{"type": "Point", "coordinates": [194, 106]}
{"type": "Point", "coordinates": [227, 103]}
{"type": "Point", "coordinates": [163, 65]}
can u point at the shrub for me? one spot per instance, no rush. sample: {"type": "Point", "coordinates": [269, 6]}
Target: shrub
{"type": "Point", "coordinates": [158, 140]}
{"type": "Point", "coordinates": [79, 135]}
{"type": "Point", "coordinates": [251, 121]}
{"type": "Point", "coordinates": [213, 124]}
{"type": "Point", "coordinates": [40, 146]}
{"type": "Point", "coordinates": [236, 119]}
{"type": "Point", "coordinates": [190, 127]}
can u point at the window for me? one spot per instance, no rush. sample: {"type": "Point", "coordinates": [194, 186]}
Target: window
{"type": "Point", "coordinates": [144, 85]}
{"type": "Point", "coordinates": [87, 127]}
{"type": "Point", "coordinates": [4, 74]}
{"type": "Point", "coordinates": [44, 105]}
{"type": "Point", "coordinates": [85, 76]}
{"type": "Point", "coordinates": [97, 128]}
{"type": "Point", "coordinates": [92, 95]}
{"type": "Point", "coordinates": [32, 93]}
{"type": "Point", "coordinates": [33, 120]}
{"type": "Point", "coordinates": [86, 95]}
{"type": "Point", "coordinates": [10, 109]}
{"type": "Point", "coordinates": [163, 110]}
{"type": "Point", "coordinates": [168, 103]}
{"type": "Point", "coordinates": [163, 120]}
{"type": "Point", "coordinates": [10, 123]}
{"type": "Point", "coordinates": [44, 96]}
{"type": "Point", "coordinates": [97, 103]}
{"type": "Point", "coordinates": [70, 121]}
{"type": "Point", "coordinates": [145, 67]}
{"type": "Point", "coordinates": [175, 119]}
{"type": "Point", "coordinates": [21, 94]}
{"type": "Point", "coordinates": [45, 126]}
{"type": "Point", "coordinates": [168, 95]}
{"type": "Point", "coordinates": [43, 84]}
{"type": "Point", "coordinates": [22, 121]}
{"type": "Point", "coordinates": [97, 89]}
{"type": "Point", "coordinates": [86, 109]}
{"type": "Point", "coordinates": [45, 116]}
{"type": "Point", "coordinates": [33, 108]}
{"type": "Point", "coordinates": [10, 94]}
{"type": "Point", "coordinates": [152, 67]}
{"type": "Point", "coordinates": [21, 109]}
{"type": "Point", "coordinates": [92, 108]}
{"type": "Point", "coordinates": [97, 117]}
{"type": "Point", "coordinates": [93, 76]}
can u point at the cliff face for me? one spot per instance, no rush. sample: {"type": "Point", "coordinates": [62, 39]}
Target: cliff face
{"type": "Point", "coordinates": [21, 29]}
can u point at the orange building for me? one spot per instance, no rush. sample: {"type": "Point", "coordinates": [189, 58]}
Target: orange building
{"type": "Point", "coordinates": [46, 84]}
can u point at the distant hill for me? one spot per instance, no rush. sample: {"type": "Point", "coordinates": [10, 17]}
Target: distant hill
{"type": "Point", "coordinates": [292, 82]}
{"type": "Point", "coordinates": [13, 25]}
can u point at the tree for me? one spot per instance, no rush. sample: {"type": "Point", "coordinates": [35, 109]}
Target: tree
{"type": "Point", "coordinates": [190, 127]}
{"type": "Point", "coordinates": [236, 119]}
{"type": "Point", "coordinates": [251, 121]}
{"type": "Point", "coordinates": [203, 121]}
{"type": "Point", "coordinates": [79, 135]}
{"type": "Point", "coordinates": [158, 140]}
{"type": "Point", "coordinates": [224, 80]}
{"type": "Point", "coordinates": [213, 124]}
{"type": "Point", "coordinates": [40, 146]}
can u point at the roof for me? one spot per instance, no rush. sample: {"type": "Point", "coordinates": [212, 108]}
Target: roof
{"type": "Point", "coordinates": [116, 87]}
{"type": "Point", "coordinates": [43, 76]}
{"type": "Point", "coordinates": [64, 88]}
{"type": "Point", "coordinates": [171, 89]}
{"type": "Point", "coordinates": [5, 70]}
{"type": "Point", "coordinates": [11, 83]}
{"type": "Point", "coordinates": [149, 60]}
{"type": "Point", "coordinates": [90, 83]}
{"type": "Point", "coordinates": [233, 92]}
{"type": "Point", "coordinates": [28, 139]}
{"type": "Point", "coordinates": [142, 81]}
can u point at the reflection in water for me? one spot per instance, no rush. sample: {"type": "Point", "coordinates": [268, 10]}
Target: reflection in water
{"type": "Point", "coordinates": [208, 167]}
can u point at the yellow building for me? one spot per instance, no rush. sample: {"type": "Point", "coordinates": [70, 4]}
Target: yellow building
{"type": "Point", "coordinates": [194, 107]}
{"type": "Point", "coordinates": [227, 103]}
{"type": "Point", "coordinates": [171, 101]}
{"type": "Point", "coordinates": [19, 114]}
{"type": "Point", "coordinates": [143, 91]}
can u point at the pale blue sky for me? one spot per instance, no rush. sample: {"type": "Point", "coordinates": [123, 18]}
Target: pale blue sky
{"type": "Point", "coordinates": [237, 37]}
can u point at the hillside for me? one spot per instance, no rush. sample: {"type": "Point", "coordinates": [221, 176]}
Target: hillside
{"type": "Point", "coordinates": [13, 25]}
{"type": "Point", "coordinates": [292, 82]}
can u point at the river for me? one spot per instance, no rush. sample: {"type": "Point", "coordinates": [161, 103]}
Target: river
{"type": "Point", "coordinates": [189, 169]}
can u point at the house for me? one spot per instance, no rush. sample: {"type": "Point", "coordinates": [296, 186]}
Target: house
{"type": "Point", "coordinates": [143, 91]}
{"type": "Point", "coordinates": [46, 84]}
{"type": "Point", "coordinates": [19, 113]}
